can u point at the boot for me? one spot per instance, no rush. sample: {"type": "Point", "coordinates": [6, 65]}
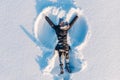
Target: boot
{"type": "Point", "coordinates": [61, 69]}
{"type": "Point", "coordinates": [67, 67]}
{"type": "Point", "coordinates": [61, 72]}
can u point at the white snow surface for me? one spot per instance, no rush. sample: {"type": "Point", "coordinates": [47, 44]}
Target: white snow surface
{"type": "Point", "coordinates": [45, 38]}
{"type": "Point", "coordinates": [19, 54]}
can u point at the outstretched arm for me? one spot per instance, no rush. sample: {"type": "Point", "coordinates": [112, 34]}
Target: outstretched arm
{"type": "Point", "coordinates": [49, 21]}
{"type": "Point", "coordinates": [73, 21]}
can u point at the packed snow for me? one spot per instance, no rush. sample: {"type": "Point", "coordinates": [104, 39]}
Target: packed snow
{"type": "Point", "coordinates": [21, 49]}
{"type": "Point", "coordinates": [45, 38]}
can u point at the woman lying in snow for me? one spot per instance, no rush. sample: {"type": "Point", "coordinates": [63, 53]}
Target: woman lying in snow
{"type": "Point", "coordinates": [62, 46]}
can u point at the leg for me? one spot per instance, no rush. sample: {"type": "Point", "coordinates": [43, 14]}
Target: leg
{"type": "Point", "coordinates": [66, 56]}
{"type": "Point", "coordinates": [67, 65]}
{"type": "Point", "coordinates": [61, 62]}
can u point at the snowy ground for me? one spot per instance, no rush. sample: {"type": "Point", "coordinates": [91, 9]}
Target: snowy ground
{"type": "Point", "coordinates": [18, 53]}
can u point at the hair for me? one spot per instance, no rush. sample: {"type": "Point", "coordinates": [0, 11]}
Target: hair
{"type": "Point", "coordinates": [61, 20]}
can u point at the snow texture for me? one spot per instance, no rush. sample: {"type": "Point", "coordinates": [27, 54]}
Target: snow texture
{"type": "Point", "coordinates": [20, 56]}
{"type": "Point", "coordinates": [45, 38]}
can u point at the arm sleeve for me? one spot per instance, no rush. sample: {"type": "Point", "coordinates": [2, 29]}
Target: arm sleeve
{"type": "Point", "coordinates": [73, 21]}
{"type": "Point", "coordinates": [49, 21]}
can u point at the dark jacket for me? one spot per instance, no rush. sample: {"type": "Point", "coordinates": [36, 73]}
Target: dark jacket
{"type": "Point", "coordinates": [61, 34]}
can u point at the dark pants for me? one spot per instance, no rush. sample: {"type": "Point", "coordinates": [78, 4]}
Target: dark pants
{"type": "Point", "coordinates": [63, 54]}
{"type": "Point", "coordinates": [63, 51]}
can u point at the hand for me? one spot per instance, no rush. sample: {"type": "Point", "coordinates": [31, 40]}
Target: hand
{"type": "Point", "coordinates": [44, 15]}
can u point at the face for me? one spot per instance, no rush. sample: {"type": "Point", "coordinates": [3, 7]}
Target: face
{"type": "Point", "coordinates": [62, 24]}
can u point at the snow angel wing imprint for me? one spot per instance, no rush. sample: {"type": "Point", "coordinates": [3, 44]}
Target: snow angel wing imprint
{"type": "Point", "coordinates": [78, 31]}
{"type": "Point", "coordinates": [44, 33]}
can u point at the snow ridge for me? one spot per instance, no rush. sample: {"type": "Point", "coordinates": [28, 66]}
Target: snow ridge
{"type": "Point", "coordinates": [45, 37]}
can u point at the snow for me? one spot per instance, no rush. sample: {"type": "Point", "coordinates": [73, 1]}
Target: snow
{"type": "Point", "coordinates": [43, 32]}
{"type": "Point", "coordinates": [18, 53]}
